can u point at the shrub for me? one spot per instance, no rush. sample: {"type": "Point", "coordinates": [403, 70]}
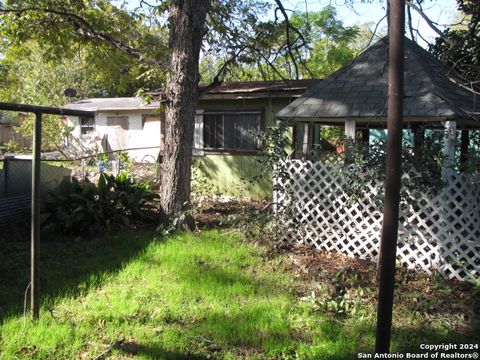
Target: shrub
{"type": "Point", "coordinates": [12, 147]}
{"type": "Point", "coordinates": [421, 173]}
{"type": "Point", "coordinates": [76, 207]}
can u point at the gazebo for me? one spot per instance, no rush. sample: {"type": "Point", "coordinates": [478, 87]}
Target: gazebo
{"type": "Point", "coordinates": [356, 97]}
{"type": "Point", "coordinates": [443, 232]}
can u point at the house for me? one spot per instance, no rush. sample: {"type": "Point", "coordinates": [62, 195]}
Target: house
{"type": "Point", "coordinates": [225, 146]}
{"type": "Point", "coordinates": [119, 123]}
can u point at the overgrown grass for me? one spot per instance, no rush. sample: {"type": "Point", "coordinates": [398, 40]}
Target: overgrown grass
{"type": "Point", "coordinates": [186, 296]}
{"type": "Point", "coordinates": [67, 268]}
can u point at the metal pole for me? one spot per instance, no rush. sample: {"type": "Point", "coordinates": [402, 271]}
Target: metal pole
{"type": "Point", "coordinates": [35, 225]}
{"type": "Point", "coordinates": [388, 244]}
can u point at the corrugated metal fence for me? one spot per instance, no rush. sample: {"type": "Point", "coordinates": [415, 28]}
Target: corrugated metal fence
{"type": "Point", "coordinates": [16, 187]}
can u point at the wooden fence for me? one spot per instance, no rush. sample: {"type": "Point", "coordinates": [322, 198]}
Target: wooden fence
{"type": "Point", "coordinates": [8, 133]}
{"type": "Point", "coordinates": [435, 233]}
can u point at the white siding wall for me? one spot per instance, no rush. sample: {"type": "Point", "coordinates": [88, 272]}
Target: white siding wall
{"type": "Point", "coordinates": [198, 134]}
{"type": "Point", "coordinates": [137, 136]}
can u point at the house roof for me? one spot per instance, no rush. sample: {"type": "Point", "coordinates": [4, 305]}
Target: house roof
{"type": "Point", "coordinates": [112, 104]}
{"type": "Point", "coordinates": [226, 90]}
{"type": "Point", "coordinates": [259, 89]}
{"type": "Point", "coordinates": [359, 91]}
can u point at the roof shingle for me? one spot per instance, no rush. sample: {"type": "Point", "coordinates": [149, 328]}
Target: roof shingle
{"type": "Point", "coordinates": [359, 90]}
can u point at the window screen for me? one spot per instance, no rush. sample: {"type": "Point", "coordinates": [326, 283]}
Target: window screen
{"type": "Point", "coordinates": [231, 130]}
{"type": "Point", "coordinates": [87, 125]}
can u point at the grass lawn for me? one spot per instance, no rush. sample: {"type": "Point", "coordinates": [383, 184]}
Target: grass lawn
{"type": "Point", "coordinates": [188, 296]}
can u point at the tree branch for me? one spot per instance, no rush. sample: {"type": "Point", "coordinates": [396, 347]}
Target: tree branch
{"type": "Point", "coordinates": [410, 25]}
{"type": "Point", "coordinates": [421, 37]}
{"type": "Point", "coordinates": [289, 26]}
{"type": "Point", "coordinates": [430, 23]}
{"type": "Point", "coordinates": [269, 63]}
{"type": "Point", "coordinates": [218, 79]}
{"type": "Point", "coordinates": [373, 34]}
{"type": "Point", "coordinates": [83, 28]}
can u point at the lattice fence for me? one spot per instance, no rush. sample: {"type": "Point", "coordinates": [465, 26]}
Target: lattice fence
{"type": "Point", "coordinates": [440, 232]}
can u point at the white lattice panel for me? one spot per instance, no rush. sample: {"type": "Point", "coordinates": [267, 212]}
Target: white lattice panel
{"type": "Point", "coordinates": [441, 232]}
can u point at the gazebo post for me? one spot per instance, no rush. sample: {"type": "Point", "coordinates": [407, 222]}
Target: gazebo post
{"type": "Point", "coordinates": [306, 133]}
{"type": "Point", "coordinates": [294, 141]}
{"type": "Point", "coordinates": [350, 126]}
{"type": "Point", "coordinates": [366, 142]}
{"type": "Point", "coordinates": [449, 139]}
{"type": "Point", "coordinates": [464, 144]}
{"type": "Point", "coordinates": [418, 140]}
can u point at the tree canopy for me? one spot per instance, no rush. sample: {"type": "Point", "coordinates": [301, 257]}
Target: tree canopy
{"type": "Point", "coordinates": [43, 49]}
{"type": "Point", "coordinates": [163, 37]}
{"type": "Point", "coordinates": [160, 42]}
{"type": "Point", "coordinates": [29, 75]}
{"type": "Point", "coordinates": [319, 45]}
{"type": "Point", "coordinates": [459, 46]}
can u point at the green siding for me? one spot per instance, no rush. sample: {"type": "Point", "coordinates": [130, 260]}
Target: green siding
{"type": "Point", "coordinates": [232, 174]}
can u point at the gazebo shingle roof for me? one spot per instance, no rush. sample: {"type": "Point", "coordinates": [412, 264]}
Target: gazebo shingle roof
{"type": "Point", "coordinates": [359, 91]}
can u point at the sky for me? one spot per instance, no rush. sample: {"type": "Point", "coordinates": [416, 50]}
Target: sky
{"type": "Point", "coordinates": [440, 11]}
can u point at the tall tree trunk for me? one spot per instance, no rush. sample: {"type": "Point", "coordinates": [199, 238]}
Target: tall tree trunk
{"type": "Point", "coordinates": [187, 27]}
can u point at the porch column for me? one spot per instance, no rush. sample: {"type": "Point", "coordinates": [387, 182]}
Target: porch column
{"type": "Point", "coordinates": [349, 139]}
{"type": "Point", "coordinates": [449, 139]}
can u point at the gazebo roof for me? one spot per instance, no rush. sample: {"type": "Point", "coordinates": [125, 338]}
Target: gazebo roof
{"type": "Point", "coordinates": [359, 91]}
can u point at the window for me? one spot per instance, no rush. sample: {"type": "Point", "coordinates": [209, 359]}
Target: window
{"type": "Point", "coordinates": [231, 130]}
{"type": "Point", "coordinates": [120, 122]}
{"type": "Point", "coordinates": [87, 125]}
